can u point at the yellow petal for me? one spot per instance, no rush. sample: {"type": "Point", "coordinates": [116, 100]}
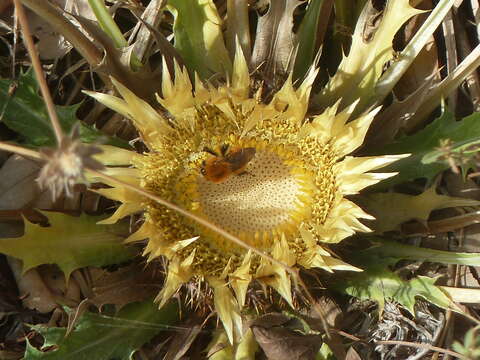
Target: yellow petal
{"type": "Point", "coordinates": [320, 258]}
{"type": "Point", "coordinates": [240, 76]}
{"type": "Point", "coordinates": [337, 264]}
{"type": "Point", "coordinates": [227, 308]}
{"type": "Point", "coordinates": [353, 134]}
{"type": "Point", "coordinates": [121, 194]}
{"type": "Point", "coordinates": [123, 210]}
{"type": "Point", "coordinates": [129, 175]}
{"type": "Point", "coordinates": [178, 274]}
{"type": "Point", "coordinates": [275, 275]}
{"type": "Point", "coordinates": [142, 233]}
{"type": "Point", "coordinates": [360, 165]}
{"type": "Point", "coordinates": [288, 101]}
{"type": "Point", "coordinates": [112, 102]}
{"type": "Point", "coordinates": [352, 176]}
{"type": "Point", "coordinates": [343, 222]}
{"type": "Point", "coordinates": [177, 95]}
{"type": "Point", "coordinates": [115, 156]}
{"type": "Point", "coordinates": [146, 119]}
{"type": "Point", "coordinates": [241, 278]}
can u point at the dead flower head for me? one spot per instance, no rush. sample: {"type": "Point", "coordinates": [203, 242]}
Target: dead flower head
{"type": "Point", "coordinates": [65, 165]}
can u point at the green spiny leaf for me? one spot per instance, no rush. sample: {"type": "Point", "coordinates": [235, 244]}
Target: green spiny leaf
{"type": "Point", "coordinates": [424, 146]}
{"type": "Point", "coordinates": [198, 37]}
{"type": "Point", "coordinates": [391, 252]}
{"type": "Point", "coordinates": [25, 113]}
{"type": "Point", "coordinates": [379, 283]}
{"type": "Point", "coordinates": [307, 38]}
{"type": "Point", "coordinates": [358, 73]}
{"type": "Point", "coordinates": [471, 346]}
{"type": "Point", "coordinates": [392, 209]}
{"type": "Point", "coordinates": [70, 242]}
{"type": "Point", "coordinates": [98, 337]}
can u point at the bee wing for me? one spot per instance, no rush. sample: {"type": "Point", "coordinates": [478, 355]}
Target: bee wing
{"type": "Point", "coordinates": [238, 159]}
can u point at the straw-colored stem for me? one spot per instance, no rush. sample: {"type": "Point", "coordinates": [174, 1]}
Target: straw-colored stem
{"type": "Point", "coordinates": [20, 150]}
{"type": "Point", "coordinates": [37, 67]}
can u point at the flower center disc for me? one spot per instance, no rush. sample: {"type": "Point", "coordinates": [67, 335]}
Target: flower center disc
{"type": "Point", "coordinates": [262, 202]}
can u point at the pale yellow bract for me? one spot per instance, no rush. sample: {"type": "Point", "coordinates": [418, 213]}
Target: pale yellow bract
{"type": "Point", "coordinates": [290, 200]}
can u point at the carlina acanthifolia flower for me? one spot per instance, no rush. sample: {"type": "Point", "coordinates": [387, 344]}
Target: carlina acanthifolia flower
{"type": "Point", "coordinates": [264, 172]}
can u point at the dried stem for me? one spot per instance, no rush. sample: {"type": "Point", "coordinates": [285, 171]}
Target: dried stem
{"type": "Point", "coordinates": [20, 150]}
{"type": "Point", "coordinates": [27, 38]}
{"type": "Point", "coordinates": [450, 83]}
{"type": "Point", "coordinates": [422, 346]}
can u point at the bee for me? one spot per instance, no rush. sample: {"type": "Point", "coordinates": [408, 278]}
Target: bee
{"type": "Point", "coordinates": [221, 166]}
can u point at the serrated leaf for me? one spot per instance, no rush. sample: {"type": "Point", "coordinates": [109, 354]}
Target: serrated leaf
{"type": "Point", "coordinates": [275, 40]}
{"type": "Point", "coordinates": [471, 347]}
{"type": "Point", "coordinates": [198, 37]}
{"type": "Point", "coordinates": [359, 72]}
{"type": "Point", "coordinates": [424, 146]}
{"type": "Point", "coordinates": [392, 209]}
{"type": "Point", "coordinates": [25, 113]}
{"type": "Point", "coordinates": [98, 337]}
{"type": "Point", "coordinates": [70, 242]}
{"type": "Point", "coordinates": [390, 252]}
{"type": "Point", "coordinates": [379, 283]}
{"type": "Point", "coordinates": [412, 51]}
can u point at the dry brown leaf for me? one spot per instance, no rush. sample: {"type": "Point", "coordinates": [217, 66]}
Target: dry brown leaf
{"type": "Point", "coordinates": [17, 183]}
{"type": "Point", "coordinates": [279, 341]}
{"type": "Point", "coordinates": [19, 190]}
{"type": "Point", "coordinates": [32, 289]}
{"type": "Point", "coordinates": [52, 45]}
{"type": "Point", "coordinates": [54, 279]}
{"type": "Point", "coordinates": [126, 285]}
{"type": "Point", "coordinates": [468, 240]}
{"type": "Point", "coordinates": [393, 118]}
{"type": "Point", "coordinates": [116, 62]}
{"type": "Point", "coordinates": [468, 277]}
{"type": "Point", "coordinates": [146, 30]}
{"type": "Point", "coordinates": [11, 225]}
{"type": "Point", "coordinates": [352, 354]}
{"type": "Point", "coordinates": [142, 33]}
{"type": "Point", "coordinates": [184, 338]}
{"type": "Point", "coordinates": [333, 316]}
{"type": "Point", "coordinates": [457, 186]}
{"type": "Point", "coordinates": [274, 48]}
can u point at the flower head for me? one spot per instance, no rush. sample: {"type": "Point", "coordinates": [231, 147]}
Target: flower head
{"type": "Point", "coordinates": [281, 186]}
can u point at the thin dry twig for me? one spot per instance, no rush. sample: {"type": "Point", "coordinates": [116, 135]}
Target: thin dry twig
{"type": "Point", "coordinates": [450, 83]}
{"type": "Point", "coordinates": [451, 52]}
{"type": "Point", "coordinates": [20, 150]}
{"type": "Point", "coordinates": [423, 346]}
{"type": "Point", "coordinates": [37, 67]}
